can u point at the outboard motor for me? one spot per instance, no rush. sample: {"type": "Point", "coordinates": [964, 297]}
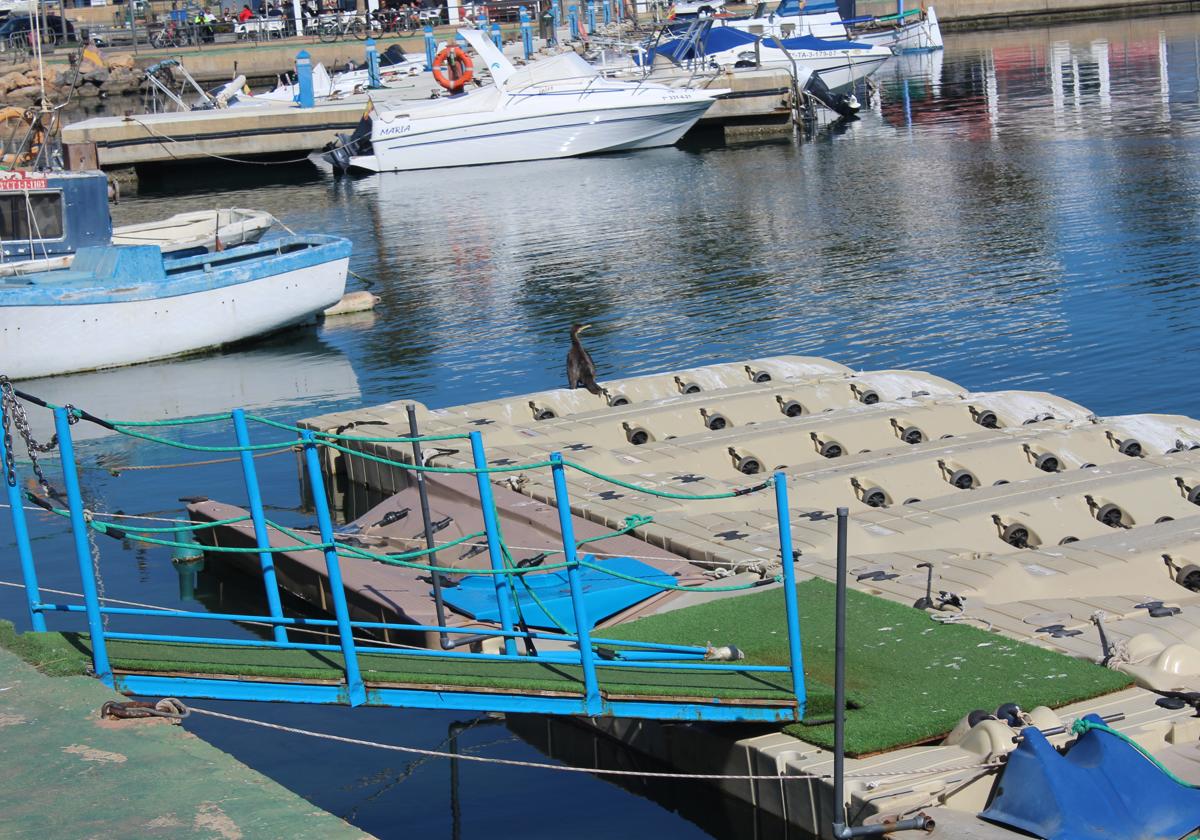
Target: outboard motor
{"type": "Point", "coordinates": [346, 146]}
{"type": "Point", "coordinates": [844, 105]}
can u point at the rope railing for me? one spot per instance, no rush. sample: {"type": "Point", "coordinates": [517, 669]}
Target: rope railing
{"type": "Point", "coordinates": [337, 547]}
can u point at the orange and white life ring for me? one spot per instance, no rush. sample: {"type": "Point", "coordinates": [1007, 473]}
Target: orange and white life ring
{"type": "Point", "coordinates": [452, 68]}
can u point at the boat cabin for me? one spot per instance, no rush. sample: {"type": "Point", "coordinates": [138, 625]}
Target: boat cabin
{"type": "Point", "coordinates": [49, 214]}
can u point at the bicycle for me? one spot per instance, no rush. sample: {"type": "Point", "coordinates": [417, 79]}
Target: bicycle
{"type": "Point", "coordinates": [334, 28]}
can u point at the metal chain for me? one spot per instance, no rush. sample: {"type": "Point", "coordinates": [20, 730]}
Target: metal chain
{"type": "Point", "coordinates": [11, 411]}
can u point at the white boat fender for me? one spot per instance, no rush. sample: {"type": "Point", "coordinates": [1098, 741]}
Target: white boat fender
{"type": "Point", "coordinates": [353, 302]}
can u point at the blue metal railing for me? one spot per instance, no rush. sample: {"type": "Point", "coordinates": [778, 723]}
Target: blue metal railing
{"type": "Point", "coordinates": [579, 647]}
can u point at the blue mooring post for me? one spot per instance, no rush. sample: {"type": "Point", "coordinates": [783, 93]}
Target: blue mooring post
{"type": "Point", "coordinates": [16, 509]}
{"type": "Point", "coordinates": [337, 590]}
{"type": "Point", "coordinates": [491, 527]}
{"type": "Point", "coordinates": [373, 80]}
{"type": "Point", "coordinates": [573, 21]}
{"type": "Point", "coordinates": [430, 48]}
{"type": "Point", "coordinates": [526, 33]}
{"type": "Point", "coordinates": [555, 21]}
{"type": "Point", "coordinates": [619, 9]}
{"type": "Point", "coordinates": [304, 78]}
{"type": "Point", "coordinates": [591, 702]}
{"type": "Point", "coordinates": [591, 17]}
{"type": "Point", "coordinates": [261, 537]}
{"type": "Point", "coordinates": [83, 549]}
{"type": "Point", "coordinates": [795, 654]}
{"type": "Point", "coordinates": [497, 38]}
{"type": "Point", "coordinates": [607, 12]}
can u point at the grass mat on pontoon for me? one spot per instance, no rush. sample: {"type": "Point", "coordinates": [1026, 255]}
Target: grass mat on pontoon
{"type": "Point", "coordinates": [911, 678]}
{"type": "Point", "coordinates": [70, 653]}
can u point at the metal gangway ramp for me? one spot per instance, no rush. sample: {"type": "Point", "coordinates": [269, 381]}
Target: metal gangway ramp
{"type": "Point", "coordinates": [564, 673]}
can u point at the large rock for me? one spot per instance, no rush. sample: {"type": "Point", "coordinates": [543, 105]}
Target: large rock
{"type": "Point", "coordinates": [97, 77]}
{"type": "Point", "coordinates": [26, 94]}
{"type": "Point", "coordinates": [123, 61]}
{"type": "Point", "coordinates": [12, 81]}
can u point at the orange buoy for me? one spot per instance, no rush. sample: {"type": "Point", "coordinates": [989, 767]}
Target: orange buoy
{"type": "Point", "coordinates": [452, 68]}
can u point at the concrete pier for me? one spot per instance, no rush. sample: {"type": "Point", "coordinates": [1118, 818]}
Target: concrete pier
{"type": "Point", "coordinates": [64, 772]}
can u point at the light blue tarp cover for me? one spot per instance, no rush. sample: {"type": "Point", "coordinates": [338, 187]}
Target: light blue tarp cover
{"type": "Point", "coordinates": [791, 8]}
{"type": "Point", "coordinates": [1102, 789]}
{"type": "Point", "coordinates": [603, 594]}
{"type": "Point", "coordinates": [723, 38]}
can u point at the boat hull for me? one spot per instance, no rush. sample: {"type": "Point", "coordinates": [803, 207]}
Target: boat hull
{"type": "Point", "coordinates": [63, 338]}
{"type": "Point", "coordinates": [534, 137]}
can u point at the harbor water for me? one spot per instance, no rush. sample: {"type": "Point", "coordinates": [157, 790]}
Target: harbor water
{"type": "Point", "coordinates": [1016, 212]}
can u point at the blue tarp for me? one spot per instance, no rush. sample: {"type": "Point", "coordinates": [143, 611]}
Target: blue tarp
{"type": "Point", "coordinates": [723, 38]}
{"type": "Point", "coordinates": [603, 594]}
{"type": "Point", "coordinates": [1102, 789]}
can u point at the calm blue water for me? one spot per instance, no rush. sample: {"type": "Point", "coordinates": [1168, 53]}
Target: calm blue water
{"type": "Point", "coordinates": [1019, 212]}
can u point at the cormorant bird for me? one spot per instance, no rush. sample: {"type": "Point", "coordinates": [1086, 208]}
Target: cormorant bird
{"type": "Point", "coordinates": [581, 370]}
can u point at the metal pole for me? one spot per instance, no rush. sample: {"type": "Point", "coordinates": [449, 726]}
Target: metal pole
{"type": "Point", "coordinates": [83, 549]}
{"type": "Point", "coordinates": [839, 680]}
{"type": "Point", "coordinates": [16, 508]}
{"type": "Point", "coordinates": [488, 504]}
{"type": "Point", "coordinates": [591, 701]}
{"type": "Point", "coordinates": [261, 537]}
{"type": "Point", "coordinates": [427, 520]}
{"type": "Point", "coordinates": [796, 655]}
{"type": "Point", "coordinates": [337, 590]}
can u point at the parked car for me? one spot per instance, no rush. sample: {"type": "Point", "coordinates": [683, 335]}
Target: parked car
{"type": "Point", "coordinates": [14, 31]}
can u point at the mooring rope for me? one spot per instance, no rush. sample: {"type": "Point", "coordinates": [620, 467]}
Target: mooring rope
{"type": "Point", "coordinates": [597, 771]}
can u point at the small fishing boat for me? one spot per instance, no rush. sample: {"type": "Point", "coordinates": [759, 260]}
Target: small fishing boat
{"type": "Point", "coordinates": [45, 217]}
{"type": "Point", "coordinates": [124, 304]}
{"type": "Point", "coordinates": [556, 107]}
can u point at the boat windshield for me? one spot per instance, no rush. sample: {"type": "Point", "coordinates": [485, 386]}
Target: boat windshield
{"type": "Point", "coordinates": [556, 68]}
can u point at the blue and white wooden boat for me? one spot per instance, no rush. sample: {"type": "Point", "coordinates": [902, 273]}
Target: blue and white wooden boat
{"type": "Point", "coordinates": [124, 304]}
{"type": "Point", "coordinates": [45, 217]}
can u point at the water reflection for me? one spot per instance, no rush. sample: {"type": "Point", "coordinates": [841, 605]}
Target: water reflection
{"type": "Point", "coordinates": [1019, 211]}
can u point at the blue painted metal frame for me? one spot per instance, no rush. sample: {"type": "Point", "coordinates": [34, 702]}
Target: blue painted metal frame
{"type": "Point", "coordinates": [83, 548]}
{"type": "Point", "coordinates": [258, 517]}
{"type": "Point", "coordinates": [33, 593]}
{"type": "Point", "coordinates": [592, 702]}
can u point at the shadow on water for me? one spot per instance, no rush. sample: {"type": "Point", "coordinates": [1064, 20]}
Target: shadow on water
{"type": "Point", "coordinates": [1016, 212]}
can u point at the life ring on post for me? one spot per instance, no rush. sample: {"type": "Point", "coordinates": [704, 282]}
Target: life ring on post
{"type": "Point", "coordinates": [452, 68]}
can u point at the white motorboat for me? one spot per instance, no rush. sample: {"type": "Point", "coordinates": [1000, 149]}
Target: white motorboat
{"type": "Point", "coordinates": [914, 30]}
{"type": "Point", "coordinates": [838, 63]}
{"type": "Point", "coordinates": [124, 304]}
{"type": "Point", "coordinates": [394, 69]}
{"type": "Point", "coordinates": [555, 107]}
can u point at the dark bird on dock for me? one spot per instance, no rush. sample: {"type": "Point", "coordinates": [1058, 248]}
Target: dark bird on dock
{"type": "Point", "coordinates": [581, 370]}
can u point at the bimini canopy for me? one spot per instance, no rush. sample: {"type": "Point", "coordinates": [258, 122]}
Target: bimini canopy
{"type": "Point", "coordinates": [725, 38]}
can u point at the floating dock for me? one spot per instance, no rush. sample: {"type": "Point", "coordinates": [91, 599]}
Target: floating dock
{"type": "Point", "coordinates": [1021, 514]}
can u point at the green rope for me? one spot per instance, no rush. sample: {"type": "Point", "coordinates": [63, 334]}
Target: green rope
{"type": "Point", "coordinates": [276, 446]}
{"type": "Point", "coordinates": [334, 436]}
{"type": "Point", "coordinates": [1081, 726]}
{"type": "Point", "coordinates": [181, 421]}
{"type": "Point", "coordinates": [189, 528]}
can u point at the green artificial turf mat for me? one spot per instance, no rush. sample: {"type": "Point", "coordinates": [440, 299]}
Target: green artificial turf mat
{"type": "Point", "coordinates": [70, 653]}
{"type": "Point", "coordinates": [910, 678]}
